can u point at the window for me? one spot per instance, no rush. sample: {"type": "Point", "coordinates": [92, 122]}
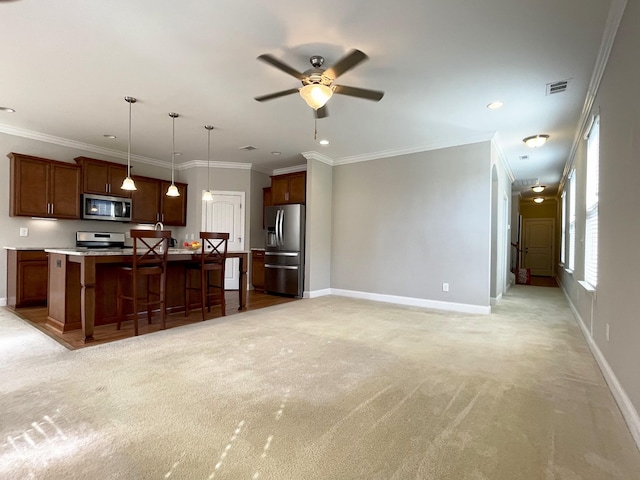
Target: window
{"type": "Point", "coordinates": [572, 220]}
{"type": "Point", "coordinates": [591, 204]}
{"type": "Point", "coordinates": [563, 235]}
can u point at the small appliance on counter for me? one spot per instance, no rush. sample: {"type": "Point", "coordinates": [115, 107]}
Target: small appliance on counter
{"type": "Point", "coordinates": [100, 240]}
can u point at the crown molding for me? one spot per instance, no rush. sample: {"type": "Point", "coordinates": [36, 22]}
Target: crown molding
{"type": "Point", "coordinates": [214, 164]}
{"type": "Point", "coordinates": [87, 147]}
{"type": "Point", "coordinates": [483, 137]}
{"type": "Point", "coordinates": [503, 158]}
{"type": "Point", "coordinates": [608, 37]}
{"type": "Point", "coordinates": [319, 157]}
{"type": "Point", "coordinates": [296, 168]}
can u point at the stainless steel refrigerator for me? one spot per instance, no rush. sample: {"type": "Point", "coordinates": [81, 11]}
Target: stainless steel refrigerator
{"type": "Point", "coordinates": [284, 250]}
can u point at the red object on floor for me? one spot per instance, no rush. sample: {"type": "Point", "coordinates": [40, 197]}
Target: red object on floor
{"type": "Point", "coordinates": [523, 276]}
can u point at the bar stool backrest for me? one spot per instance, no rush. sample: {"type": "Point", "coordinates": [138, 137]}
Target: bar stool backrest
{"type": "Point", "coordinates": [150, 247]}
{"type": "Point", "coordinates": [213, 248]}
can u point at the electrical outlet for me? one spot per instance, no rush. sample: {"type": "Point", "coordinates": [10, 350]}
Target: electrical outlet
{"type": "Point", "coordinates": [127, 234]}
{"type": "Point", "coordinates": [607, 332]}
{"type": "Point", "coordinates": [445, 287]}
{"type": "Point", "coordinates": [24, 232]}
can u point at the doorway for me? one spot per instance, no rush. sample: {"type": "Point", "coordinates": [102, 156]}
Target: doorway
{"type": "Point", "coordinates": [538, 246]}
{"type": "Point", "coordinates": [226, 214]}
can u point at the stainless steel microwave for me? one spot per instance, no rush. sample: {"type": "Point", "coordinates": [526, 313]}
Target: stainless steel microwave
{"type": "Point", "coordinates": [102, 207]}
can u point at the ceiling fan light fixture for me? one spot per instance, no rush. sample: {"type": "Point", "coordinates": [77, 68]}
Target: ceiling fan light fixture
{"type": "Point", "coordinates": [316, 95]}
{"type": "Point", "coordinates": [535, 141]}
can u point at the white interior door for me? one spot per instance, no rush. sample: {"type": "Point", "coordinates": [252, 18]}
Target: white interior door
{"type": "Point", "coordinates": [226, 214]}
{"type": "Point", "coordinates": [538, 245]}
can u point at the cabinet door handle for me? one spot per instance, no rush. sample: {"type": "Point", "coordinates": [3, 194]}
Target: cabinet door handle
{"type": "Point", "coordinates": [51, 208]}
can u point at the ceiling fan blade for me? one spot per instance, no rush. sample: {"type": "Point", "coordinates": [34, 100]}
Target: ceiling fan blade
{"type": "Point", "coordinates": [350, 60]}
{"type": "Point", "coordinates": [273, 61]}
{"type": "Point", "coordinates": [322, 112]}
{"type": "Point", "coordinates": [271, 96]}
{"type": "Point", "coordinates": [365, 93]}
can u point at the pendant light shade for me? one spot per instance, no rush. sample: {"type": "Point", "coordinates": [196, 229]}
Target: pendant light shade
{"type": "Point", "coordinates": [128, 183]}
{"type": "Point", "coordinates": [207, 196]}
{"type": "Point", "coordinates": [172, 191]}
{"type": "Point", "coordinates": [316, 95]}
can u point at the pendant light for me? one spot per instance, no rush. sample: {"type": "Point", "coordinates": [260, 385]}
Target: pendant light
{"type": "Point", "coordinates": [128, 183]}
{"type": "Point", "coordinates": [207, 196]}
{"type": "Point", "coordinates": [172, 191]}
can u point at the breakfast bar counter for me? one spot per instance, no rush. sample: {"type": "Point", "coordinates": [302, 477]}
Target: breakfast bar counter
{"type": "Point", "coordinates": [82, 285]}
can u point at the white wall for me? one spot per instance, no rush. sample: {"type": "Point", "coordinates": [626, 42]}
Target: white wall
{"type": "Point", "coordinates": [616, 302]}
{"type": "Point", "coordinates": [404, 225]}
{"type": "Point", "coordinates": [318, 228]}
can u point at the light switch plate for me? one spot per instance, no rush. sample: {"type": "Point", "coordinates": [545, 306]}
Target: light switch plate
{"type": "Point", "coordinates": [24, 232]}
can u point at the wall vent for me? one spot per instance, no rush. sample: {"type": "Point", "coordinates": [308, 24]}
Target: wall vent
{"type": "Point", "coordinates": [557, 87]}
{"type": "Point", "coordinates": [248, 148]}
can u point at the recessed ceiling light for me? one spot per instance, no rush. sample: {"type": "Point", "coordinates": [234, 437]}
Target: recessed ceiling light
{"type": "Point", "coordinates": [324, 142]}
{"type": "Point", "coordinates": [538, 199]}
{"type": "Point", "coordinates": [535, 141]}
{"type": "Point", "coordinates": [111, 137]}
{"type": "Point", "coordinates": [495, 105]}
{"type": "Point", "coordinates": [276, 153]}
{"type": "Point", "coordinates": [177, 154]}
{"type": "Point", "coordinates": [7, 109]}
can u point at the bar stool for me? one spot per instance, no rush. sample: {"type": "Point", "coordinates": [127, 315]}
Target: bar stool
{"type": "Point", "coordinates": [149, 260]}
{"type": "Point", "coordinates": [212, 258]}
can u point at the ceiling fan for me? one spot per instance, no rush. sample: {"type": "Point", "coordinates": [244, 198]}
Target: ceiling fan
{"type": "Point", "coordinates": [317, 83]}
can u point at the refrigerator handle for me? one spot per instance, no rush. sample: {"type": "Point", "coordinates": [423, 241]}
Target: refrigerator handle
{"type": "Point", "coordinates": [281, 230]}
{"type": "Point", "coordinates": [278, 212]}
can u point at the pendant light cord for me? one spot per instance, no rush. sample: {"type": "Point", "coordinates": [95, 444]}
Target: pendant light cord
{"type": "Point", "coordinates": [208, 159]}
{"type": "Point", "coordinates": [129, 147]}
{"type": "Point", "coordinates": [173, 146]}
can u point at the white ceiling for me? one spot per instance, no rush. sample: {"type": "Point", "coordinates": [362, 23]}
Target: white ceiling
{"type": "Point", "coordinates": [67, 65]}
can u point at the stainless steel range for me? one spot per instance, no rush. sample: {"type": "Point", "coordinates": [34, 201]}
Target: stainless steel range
{"type": "Point", "coordinates": [100, 240]}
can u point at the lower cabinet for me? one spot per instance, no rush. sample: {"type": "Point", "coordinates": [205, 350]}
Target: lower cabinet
{"type": "Point", "coordinates": [27, 278]}
{"type": "Point", "coordinates": [257, 269]}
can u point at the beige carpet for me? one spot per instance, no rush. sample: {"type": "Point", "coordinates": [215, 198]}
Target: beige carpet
{"type": "Point", "coordinates": [330, 388]}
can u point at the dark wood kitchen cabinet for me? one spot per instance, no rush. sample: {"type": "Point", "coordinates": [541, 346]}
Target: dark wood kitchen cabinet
{"type": "Point", "coordinates": [102, 178]}
{"type": "Point", "coordinates": [149, 203]}
{"type": "Point", "coordinates": [257, 269]}
{"type": "Point", "coordinates": [44, 188]}
{"type": "Point", "coordinates": [289, 188]}
{"type": "Point", "coordinates": [27, 274]}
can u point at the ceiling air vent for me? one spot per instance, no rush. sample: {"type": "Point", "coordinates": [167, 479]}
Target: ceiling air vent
{"type": "Point", "coordinates": [525, 183]}
{"type": "Point", "coordinates": [557, 87]}
{"type": "Point", "coordinates": [248, 148]}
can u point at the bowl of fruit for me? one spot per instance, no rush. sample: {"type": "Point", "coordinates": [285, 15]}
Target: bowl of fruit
{"type": "Point", "coordinates": [194, 245]}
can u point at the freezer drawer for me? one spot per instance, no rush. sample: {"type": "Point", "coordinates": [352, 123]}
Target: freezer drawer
{"type": "Point", "coordinates": [285, 279]}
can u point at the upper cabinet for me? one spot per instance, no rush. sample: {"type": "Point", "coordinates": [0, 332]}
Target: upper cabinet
{"type": "Point", "coordinates": [149, 204]}
{"type": "Point", "coordinates": [101, 177]}
{"type": "Point", "coordinates": [44, 188]}
{"type": "Point", "coordinates": [289, 188]}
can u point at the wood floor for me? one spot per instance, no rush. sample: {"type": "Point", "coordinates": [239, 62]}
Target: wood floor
{"type": "Point", "coordinates": [108, 333]}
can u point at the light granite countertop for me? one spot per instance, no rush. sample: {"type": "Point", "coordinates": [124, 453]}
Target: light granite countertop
{"type": "Point", "coordinates": [83, 252]}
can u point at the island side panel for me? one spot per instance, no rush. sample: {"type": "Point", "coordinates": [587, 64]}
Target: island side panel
{"type": "Point", "coordinates": [63, 305]}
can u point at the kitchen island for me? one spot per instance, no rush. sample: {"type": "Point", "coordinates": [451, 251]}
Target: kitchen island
{"type": "Point", "coordinates": [83, 283]}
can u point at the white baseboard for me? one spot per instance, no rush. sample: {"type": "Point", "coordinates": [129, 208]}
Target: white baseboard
{"type": "Point", "coordinates": [414, 302]}
{"type": "Point", "coordinates": [629, 412]}
{"type": "Point", "coordinates": [316, 293]}
{"type": "Point", "coordinates": [495, 300]}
